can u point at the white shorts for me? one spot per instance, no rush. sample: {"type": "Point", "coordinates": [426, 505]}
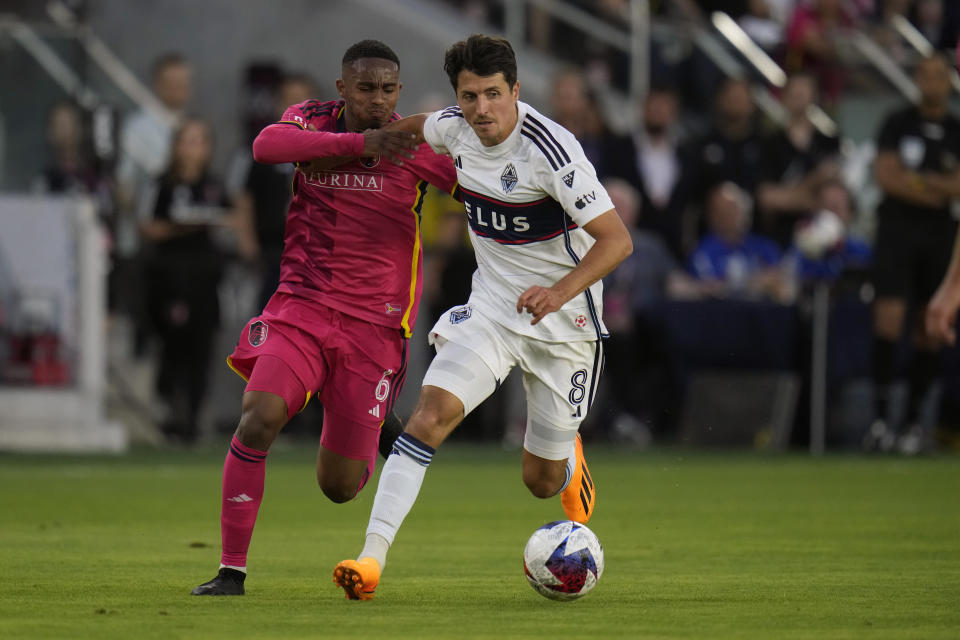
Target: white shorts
{"type": "Point", "coordinates": [474, 354]}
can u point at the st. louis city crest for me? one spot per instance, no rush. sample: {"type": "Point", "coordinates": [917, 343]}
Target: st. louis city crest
{"type": "Point", "coordinates": [508, 179]}
{"type": "Point", "coordinates": [460, 314]}
{"type": "Point", "coordinates": [258, 333]}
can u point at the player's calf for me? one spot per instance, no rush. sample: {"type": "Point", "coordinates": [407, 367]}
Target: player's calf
{"type": "Point", "coordinates": [341, 478]}
{"type": "Point", "coordinates": [544, 478]}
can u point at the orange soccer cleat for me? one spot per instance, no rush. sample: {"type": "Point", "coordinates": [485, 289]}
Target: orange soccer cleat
{"type": "Point", "coordinates": [580, 496]}
{"type": "Point", "coordinates": [358, 578]}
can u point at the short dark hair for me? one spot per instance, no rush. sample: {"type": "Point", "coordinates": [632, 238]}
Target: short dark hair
{"type": "Point", "coordinates": [369, 49]}
{"type": "Point", "coordinates": [163, 62]}
{"type": "Point", "coordinates": [482, 55]}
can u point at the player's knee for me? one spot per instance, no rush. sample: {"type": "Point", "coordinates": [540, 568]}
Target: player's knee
{"type": "Point", "coordinates": [337, 490]}
{"type": "Point", "coordinates": [430, 424]}
{"type": "Point", "coordinates": [260, 424]}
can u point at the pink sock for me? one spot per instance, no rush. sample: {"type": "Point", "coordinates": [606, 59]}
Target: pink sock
{"type": "Point", "coordinates": [243, 472]}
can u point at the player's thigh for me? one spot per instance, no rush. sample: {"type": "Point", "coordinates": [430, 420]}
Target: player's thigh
{"type": "Point", "coordinates": [367, 366]}
{"type": "Point", "coordinates": [560, 380]}
{"type": "Point", "coordinates": [273, 378]}
{"type": "Point", "coordinates": [472, 358]}
{"type": "Point", "coordinates": [273, 355]}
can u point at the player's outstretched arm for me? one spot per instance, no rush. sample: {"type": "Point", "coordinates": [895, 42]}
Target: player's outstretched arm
{"type": "Point", "coordinates": [941, 314]}
{"type": "Point", "coordinates": [613, 244]}
{"type": "Point", "coordinates": [411, 124]}
{"type": "Point", "coordinates": [281, 143]}
{"type": "Point", "coordinates": [393, 144]}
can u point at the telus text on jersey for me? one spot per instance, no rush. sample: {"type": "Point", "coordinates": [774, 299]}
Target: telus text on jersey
{"type": "Point", "coordinates": [488, 217]}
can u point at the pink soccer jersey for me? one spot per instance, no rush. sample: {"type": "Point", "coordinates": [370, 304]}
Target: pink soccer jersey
{"type": "Point", "coordinates": [352, 238]}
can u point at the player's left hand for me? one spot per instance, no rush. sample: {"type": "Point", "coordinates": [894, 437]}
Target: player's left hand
{"type": "Point", "coordinates": [539, 301]}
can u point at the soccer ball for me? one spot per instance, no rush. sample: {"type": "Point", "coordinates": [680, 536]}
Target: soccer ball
{"type": "Point", "coordinates": [563, 560]}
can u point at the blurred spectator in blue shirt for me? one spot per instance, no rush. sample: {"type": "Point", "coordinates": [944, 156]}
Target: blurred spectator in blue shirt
{"type": "Point", "coordinates": [643, 373]}
{"type": "Point", "coordinates": [743, 263]}
{"type": "Point", "coordinates": [823, 247]}
{"type": "Point", "coordinates": [646, 277]}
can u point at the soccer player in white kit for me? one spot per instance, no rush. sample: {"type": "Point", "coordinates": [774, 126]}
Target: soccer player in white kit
{"type": "Point", "coordinates": [545, 232]}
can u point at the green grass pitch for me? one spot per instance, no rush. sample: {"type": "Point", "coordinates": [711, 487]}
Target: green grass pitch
{"type": "Point", "coordinates": [697, 546]}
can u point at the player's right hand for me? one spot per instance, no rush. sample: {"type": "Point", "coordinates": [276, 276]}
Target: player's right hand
{"type": "Point", "coordinates": [395, 146]}
{"type": "Point", "coordinates": [941, 316]}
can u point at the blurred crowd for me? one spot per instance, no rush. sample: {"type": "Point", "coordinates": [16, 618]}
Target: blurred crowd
{"type": "Point", "coordinates": [801, 35]}
{"type": "Point", "coordinates": [723, 204]}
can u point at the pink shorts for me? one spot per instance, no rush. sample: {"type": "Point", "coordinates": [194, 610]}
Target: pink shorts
{"type": "Point", "coordinates": [355, 368]}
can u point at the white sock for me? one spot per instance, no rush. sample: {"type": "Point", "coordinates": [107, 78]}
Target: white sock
{"type": "Point", "coordinates": [397, 490]}
{"type": "Point", "coordinates": [376, 547]}
{"type": "Point", "coordinates": [571, 460]}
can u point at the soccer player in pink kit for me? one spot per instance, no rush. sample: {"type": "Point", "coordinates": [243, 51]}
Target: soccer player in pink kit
{"type": "Point", "coordinates": [338, 325]}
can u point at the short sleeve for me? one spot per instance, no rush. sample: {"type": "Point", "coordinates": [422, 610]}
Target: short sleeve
{"type": "Point", "coordinates": [575, 184]}
{"type": "Point", "coordinates": [295, 115]}
{"type": "Point", "coordinates": [320, 114]}
{"type": "Point", "coordinates": [437, 126]}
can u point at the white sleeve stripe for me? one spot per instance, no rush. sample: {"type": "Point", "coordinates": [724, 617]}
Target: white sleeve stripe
{"type": "Point", "coordinates": [539, 141]}
{"type": "Point", "coordinates": [540, 126]}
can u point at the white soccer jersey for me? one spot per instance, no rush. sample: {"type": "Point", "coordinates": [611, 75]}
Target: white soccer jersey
{"type": "Point", "coordinates": [526, 200]}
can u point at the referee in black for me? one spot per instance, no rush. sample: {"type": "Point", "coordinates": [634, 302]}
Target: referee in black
{"type": "Point", "coordinates": [918, 169]}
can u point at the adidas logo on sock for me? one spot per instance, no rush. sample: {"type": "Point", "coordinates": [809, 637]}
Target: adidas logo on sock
{"type": "Point", "coordinates": [241, 498]}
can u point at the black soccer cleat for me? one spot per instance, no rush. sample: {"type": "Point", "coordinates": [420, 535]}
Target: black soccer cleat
{"type": "Point", "coordinates": [229, 582]}
{"type": "Point", "coordinates": [390, 430]}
